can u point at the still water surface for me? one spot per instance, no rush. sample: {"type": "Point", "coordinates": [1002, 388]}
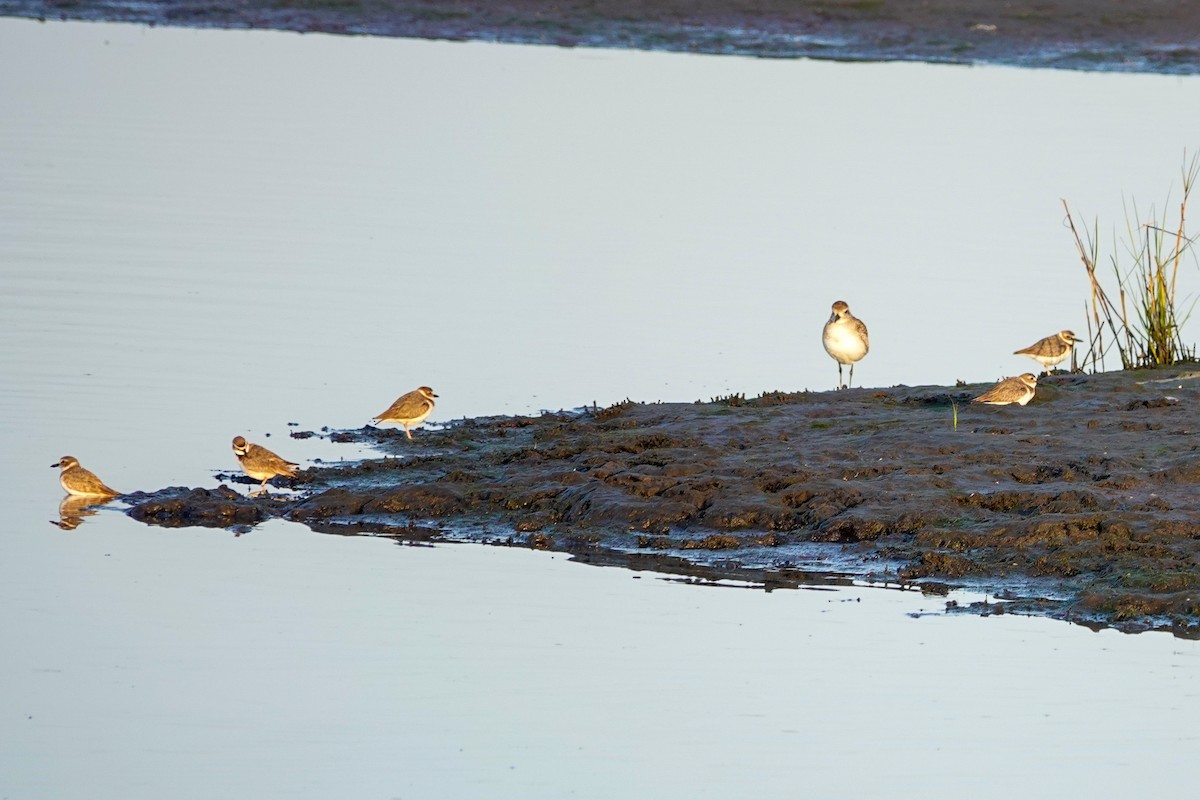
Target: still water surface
{"type": "Point", "coordinates": [209, 233]}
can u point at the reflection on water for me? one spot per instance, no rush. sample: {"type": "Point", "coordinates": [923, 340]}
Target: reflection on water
{"type": "Point", "coordinates": [211, 233]}
{"type": "Point", "coordinates": [74, 508]}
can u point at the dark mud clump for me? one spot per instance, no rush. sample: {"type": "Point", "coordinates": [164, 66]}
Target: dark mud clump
{"type": "Point", "coordinates": [179, 507]}
{"type": "Point", "coordinates": [1082, 505]}
{"type": "Point", "coordinates": [1120, 35]}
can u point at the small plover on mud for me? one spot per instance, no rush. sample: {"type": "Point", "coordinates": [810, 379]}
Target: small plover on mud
{"type": "Point", "coordinates": [409, 409]}
{"type": "Point", "coordinates": [1017, 390]}
{"type": "Point", "coordinates": [260, 463]}
{"type": "Point", "coordinates": [845, 339]}
{"type": "Point", "coordinates": [1051, 350]}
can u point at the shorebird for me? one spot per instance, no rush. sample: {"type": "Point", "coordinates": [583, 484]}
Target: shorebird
{"type": "Point", "coordinates": [1017, 390]}
{"type": "Point", "coordinates": [1051, 350]}
{"type": "Point", "coordinates": [409, 409]}
{"type": "Point", "coordinates": [260, 463]}
{"type": "Point", "coordinates": [845, 339]}
{"type": "Point", "coordinates": [78, 481]}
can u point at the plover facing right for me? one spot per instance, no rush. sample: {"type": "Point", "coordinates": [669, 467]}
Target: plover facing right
{"type": "Point", "coordinates": [409, 409]}
{"type": "Point", "coordinates": [1018, 389]}
{"type": "Point", "coordinates": [1051, 350]}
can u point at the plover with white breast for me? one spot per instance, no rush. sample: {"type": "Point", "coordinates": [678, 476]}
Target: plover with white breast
{"type": "Point", "coordinates": [1051, 350]}
{"type": "Point", "coordinates": [1019, 389]}
{"type": "Point", "coordinates": [78, 481]}
{"type": "Point", "coordinates": [260, 463]}
{"type": "Point", "coordinates": [845, 339]}
{"type": "Point", "coordinates": [409, 409]}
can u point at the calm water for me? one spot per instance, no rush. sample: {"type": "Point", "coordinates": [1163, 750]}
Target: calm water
{"type": "Point", "coordinates": [210, 233]}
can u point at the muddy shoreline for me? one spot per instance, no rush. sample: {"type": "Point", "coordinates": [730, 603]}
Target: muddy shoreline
{"type": "Point", "coordinates": [1113, 35]}
{"type": "Point", "coordinates": [1080, 506]}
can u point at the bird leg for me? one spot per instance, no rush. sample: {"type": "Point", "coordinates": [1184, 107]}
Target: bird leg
{"type": "Point", "coordinates": [408, 433]}
{"type": "Point", "coordinates": [851, 383]}
{"type": "Point", "coordinates": [840, 384]}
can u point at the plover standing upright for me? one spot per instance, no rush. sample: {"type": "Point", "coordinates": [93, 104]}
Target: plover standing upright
{"type": "Point", "coordinates": [845, 339]}
{"type": "Point", "coordinates": [78, 481]}
{"type": "Point", "coordinates": [260, 463]}
{"type": "Point", "coordinates": [1019, 390]}
{"type": "Point", "coordinates": [409, 409]}
{"type": "Point", "coordinates": [1051, 350]}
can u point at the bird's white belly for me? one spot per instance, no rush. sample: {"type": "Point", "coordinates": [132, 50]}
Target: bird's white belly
{"type": "Point", "coordinates": [844, 345]}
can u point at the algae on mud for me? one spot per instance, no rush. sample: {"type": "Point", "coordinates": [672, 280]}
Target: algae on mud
{"type": "Point", "coordinates": [1080, 506]}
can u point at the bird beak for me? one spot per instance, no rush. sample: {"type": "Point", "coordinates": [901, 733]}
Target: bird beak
{"type": "Point", "coordinates": [52, 466]}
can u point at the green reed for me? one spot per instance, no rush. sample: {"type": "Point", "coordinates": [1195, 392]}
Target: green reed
{"type": "Point", "coordinates": [1143, 322]}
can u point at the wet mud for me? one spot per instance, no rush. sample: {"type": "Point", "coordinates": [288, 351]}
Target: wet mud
{"type": "Point", "coordinates": [1080, 506]}
{"type": "Point", "coordinates": [1118, 35]}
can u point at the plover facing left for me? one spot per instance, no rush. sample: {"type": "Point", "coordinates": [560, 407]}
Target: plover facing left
{"type": "Point", "coordinates": [260, 463]}
{"type": "Point", "coordinates": [78, 481]}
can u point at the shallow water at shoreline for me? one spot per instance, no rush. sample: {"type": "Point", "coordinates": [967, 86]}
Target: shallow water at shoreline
{"type": "Point", "coordinates": [211, 233]}
{"type": "Point", "coordinates": [285, 663]}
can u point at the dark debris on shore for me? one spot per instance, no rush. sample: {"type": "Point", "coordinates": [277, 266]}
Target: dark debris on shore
{"type": "Point", "coordinates": [1113, 35]}
{"type": "Point", "coordinates": [1080, 506]}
